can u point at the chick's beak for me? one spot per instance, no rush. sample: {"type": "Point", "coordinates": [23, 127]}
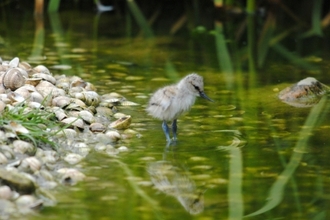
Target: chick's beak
{"type": "Point", "coordinates": [204, 96]}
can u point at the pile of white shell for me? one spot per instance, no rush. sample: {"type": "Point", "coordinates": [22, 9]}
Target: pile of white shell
{"type": "Point", "coordinates": [29, 173]}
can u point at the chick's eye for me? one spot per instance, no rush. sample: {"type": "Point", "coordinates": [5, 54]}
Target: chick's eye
{"type": "Point", "coordinates": [196, 87]}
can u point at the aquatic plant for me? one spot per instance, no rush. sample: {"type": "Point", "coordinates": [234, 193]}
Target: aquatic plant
{"type": "Point", "coordinates": [33, 124]}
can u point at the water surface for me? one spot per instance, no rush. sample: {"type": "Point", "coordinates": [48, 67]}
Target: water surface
{"type": "Point", "coordinates": [246, 154]}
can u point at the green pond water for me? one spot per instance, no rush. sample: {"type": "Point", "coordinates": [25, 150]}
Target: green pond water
{"type": "Point", "coordinates": [246, 155]}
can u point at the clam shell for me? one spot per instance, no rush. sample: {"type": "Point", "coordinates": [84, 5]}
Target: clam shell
{"type": "Point", "coordinates": [76, 104]}
{"type": "Point", "coordinates": [14, 62]}
{"type": "Point", "coordinates": [74, 90]}
{"type": "Point", "coordinates": [15, 97]}
{"type": "Point", "coordinates": [35, 105]}
{"type": "Point", "coordinates": [87, 116]}
{"type": "Point", "coordinates": [23, 147]}
{"type": "Point", "coordinates": [45, 88]}
{"type": "Point", "coordinates": [29, 87]}
{"type": "Point", "coordinates": [13, 79]}
{"type": "Point", "coordinates": [5, 192]}
{"type": "Point", "coordinates": [77, 82]}
{"type": "Point", "coordinates": [122, 123]}
{"type": "Point", "coordinates": [36, 97]}
{"type": "Point", "coordinates": [306, 93]}
{"type": "Point", "coordinates": [119, 115]}
{"type": "Point", "coordinates": [58, 92]}
{"type": "Point", "coordinates": [60, 114]}
{"type": "Point", "coordinates": [46, 175]}
{"type": "Point", "coordinates": [25, 66]}
{"type": "Point", "coordinates": [5, 99]}
{"type": "Point", "coordinates": [70, 133]}
{"type": "Point", "coordinates": [104, 111]}
{"type": "Point", "coordinates": [113, 135]}
{"type": "Point", "coordinates": [61, 101]}
{"type": "Point", "coordinates": [70, 176]}
{"type": "Point", "coordinates": [3, 159]}
{"type": "Point", "coordinates": [41, 69]}
{"type": "Point", "coordinates": [97, 127]}
{"type": "Point", "coordinates": [23, 92]}
{"type": "Point", "coordinates": [74, 107]}
{"type": "Point", "coordinates": [63, 83]}
{"type": "Point", "coordinates": [45, 76]}
{"type": "Point", "coordinates": [90, 87]}
{"type": "Point", "coordinates": [33, 81]}
{"type": "Point", "coordinates": [16, 127]}
{"type": "Point", "coordinates": [72, 158]}
{"type": "Point", "coordinates": [75, 122]}
{"type": "Point", "coordinates": [7, 151]}
{"type": "Point", "coordinates": [30, 164]}
{"type": "Point", "coordinates": [27, 202]}
{"type": "Point", "coordinates": [89, 97]}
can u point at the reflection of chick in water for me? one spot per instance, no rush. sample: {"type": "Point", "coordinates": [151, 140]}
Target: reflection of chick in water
{"type": "Point", "coordinates": [172, 181]}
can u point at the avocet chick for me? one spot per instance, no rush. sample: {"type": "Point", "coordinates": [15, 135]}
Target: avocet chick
{"type": "Point", "coordinates": [169, 102]}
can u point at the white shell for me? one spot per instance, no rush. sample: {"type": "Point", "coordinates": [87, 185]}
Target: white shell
{"type": "Point", "coordinates": [60, 114]}
{"type": "Point", "coordinates": [23, 92]}
{"type": "Point", "coordinates": [122, 149]}
{"type": "Point", "coordinates": [121, 123]}
{"type": "Point", "coordinates": [25, 66]}
{"type": "Point", "coordinates": [35, 105]}
{"type": "Point", "coordinates": [33, 81]}
{"type": "Point", "coordinates": [46, 77]}
{"type": "Point", "coordinates": [20, 146]}
{"type": "Point", "coordinates": [113, 135]}
{"type": "Point", "coordinates": [3, 159]}
{"type": "Point", "coordinates": [14, 62]}
{"type": "Point", "coordinates": [87, 116]}
{"type": "Point", "coordinates": [61, 101]}
{"type": "Point", "coordinates": [89, 97]}
{"type": "Point", "coordinates": [71, 176]}
{"type": "Point", "coordinates": [45, 88]}
{"type": "Point", "coordinates": [68, 133]}
{"type": "Point", "coordinates": [26, 203]}
{"type": "Point", "coordinates": [97, 127]}
{"type": "Point", "coordinates": [36, 97]}
{"type": "Point", "coordinates": [30, 164]}
{"type": "Point", "coordinates": [77, 82]}
{"type": "Point", "coordinates": [5, 192]}
{"type": "Point", "coordinates": [72, 158]}
{"type": "Point", "coordinates": [41, 69]}
{"type": "Point", "coordinates": [13, 79]}
{"type": "Point", "coordinates": [15, 97]}
{"type": "Point", "coordinates": [76, 122]}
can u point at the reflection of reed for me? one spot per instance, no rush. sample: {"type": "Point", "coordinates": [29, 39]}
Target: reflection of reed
{"type": "Point", "coordinates": [277, 190]}
{"type": "Point", "coordinates": [39, 39]}
{"type": "Point", "coordinates": [173, 181]}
